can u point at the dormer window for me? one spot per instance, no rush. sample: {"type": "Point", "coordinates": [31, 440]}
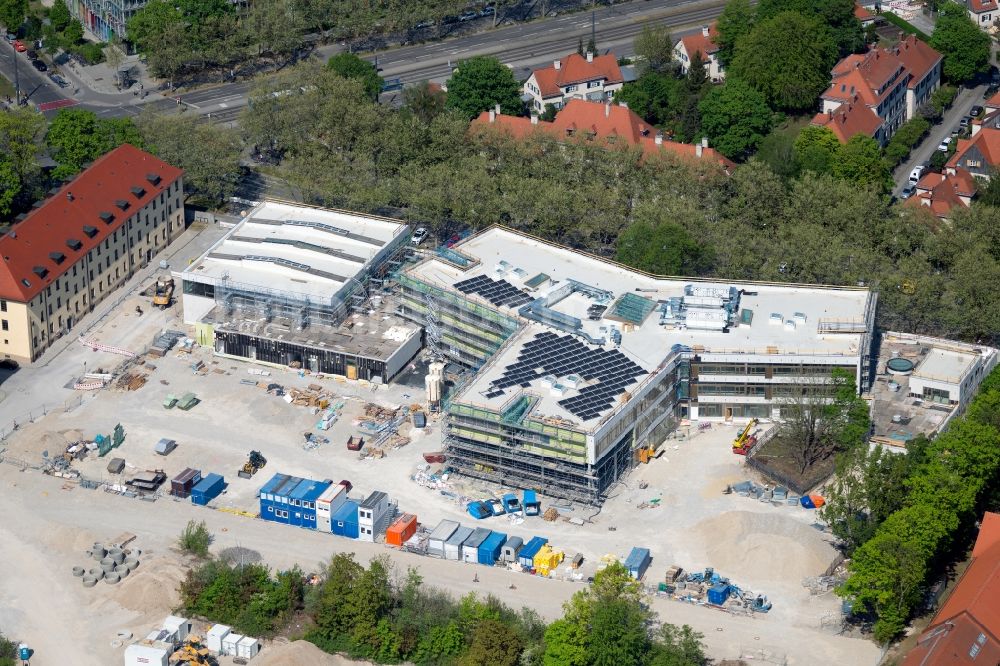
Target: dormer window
{"type": "Point", "coordinates": [107, 217]}
{"type": "Point", "coordinates": [90, 231]}
{"type": "Point", "coordinates": [57, 257]}
{"type": "Point", "coordinates": [121, 203]}
{"type": "Point", "coordinates": [73, 244]}
{"type": "Point", "coordinates": [153, 178]}
{"type": "Point", "coordinates": [138, 192]}
{"type": "Point", "coordinates": [40, 271]}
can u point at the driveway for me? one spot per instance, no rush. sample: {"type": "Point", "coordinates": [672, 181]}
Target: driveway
{"type": "Point", "coordinates": [966, 99]}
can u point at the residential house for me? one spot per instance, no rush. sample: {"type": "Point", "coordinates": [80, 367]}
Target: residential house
{"type": "Point", "coordinates": [610, 124]}
{"type": "Point", "coordinates": [863, 15]}
{"type": "Point", "coordinates": [942, 192]}
{"type": "Point", "coordinates": [703, 42]}
{"type": "Point", "coordinates": [892, 82]}
{"type": "Point", "coordinates": [966, 629]}
{"type": "Point", "coordinates": [589, 77]}
{"type": "Point", "coordinates": [979, 155]}
{"type": "Point", "coordinates": [990, 117]}
{"type": "Point", "coordinates": [849, 119]}
{"type": "Point", "coordinates": [983, 13]}
{"type": "Point", "coordinates": [74, 249]}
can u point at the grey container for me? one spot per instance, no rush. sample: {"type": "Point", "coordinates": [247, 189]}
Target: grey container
{"type": "Point", "coordinates": [78, 571]}
{"type": "Point", "coordinates": [122, 570]}
{"type": "Point", "coordinates": [96, 573]}
{"type": "Point", "coordinates": [89, 581]}
{"type": "Point", "coordinates": [117, 555]}
{"type": "Point", "coordinates": [131, 564]}
{"type": "Point", "coordinates": [111, 578]}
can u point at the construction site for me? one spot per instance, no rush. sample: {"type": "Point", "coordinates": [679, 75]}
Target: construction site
{"type": "Point", "coordinates": [592, 421]}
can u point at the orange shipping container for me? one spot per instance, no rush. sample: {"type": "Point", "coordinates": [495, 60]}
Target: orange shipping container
{"type": "Point", "coordinates": [401, 530]}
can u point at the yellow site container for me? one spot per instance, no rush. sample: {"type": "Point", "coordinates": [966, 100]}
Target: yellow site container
{"type": "Point", "coordinates": [547, 559]}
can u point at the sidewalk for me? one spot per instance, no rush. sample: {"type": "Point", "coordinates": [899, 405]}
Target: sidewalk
{"type": "Point", "coordinates": [95, 84]}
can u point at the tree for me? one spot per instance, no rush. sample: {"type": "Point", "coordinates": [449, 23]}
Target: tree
{"type": "Point", "coordinates": [678, 646]}
{"type": "Point", "coordinates": [734, 22]}
{"type": "Point", "coordinates": [816, 148]}
{"type": "Point", "coordinates": [425, 100]}
{"type": "Point", "coordinates": [195, 539]}
{"type": "Point", "coordinates": [662, 248]}
{"type": "Point", "coordinates": [114, 56]}
{"type": "Point", "coordinates": [73, 34]}
{"type": "Point", "coordinates": [12, 13]}
{"type": "Point", "coordinates": [777, 150]}
{"type": "Point", "coordinates": [657, 98]}
{"type": "Point", "coordinates": [59, 15]}
{"type": "Point", "coordinates": [787, 58]}
{"type": "Point", "coordinates": [736, 118]}
{"type": "Point", "coordinates": [966, 48]}
{"type": "Point", "coordinates": [480, 83]}
{"type": "Point", "coordinates": [8, 651]}
{"type": "Point", "coordinates": [77, 137]}
{"type": "Point", "coordinates": [565, 645]}
{"type": "Point", "coordinates": [493, 644]}
{"type": "Point", "coordinates": [860, 161]}
{"type": "Point", "coordinates": [10, 187]}
{"type": "Point", "coordinates": [351, 66]}
{"type": "Point", "coordinates": [655, 46]}
{"type": "Point", "coordinates": [618, 634]}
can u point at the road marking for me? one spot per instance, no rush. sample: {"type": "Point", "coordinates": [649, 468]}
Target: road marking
{"type": "Point", "coordinates": [223, 105]}
{"type": "Point", "coordinates": [58, 104]}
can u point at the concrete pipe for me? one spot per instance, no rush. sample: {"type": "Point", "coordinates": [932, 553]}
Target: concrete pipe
{"type": "Point", "coordinates": [122, 570]}
{"type": "Point", "coordinates": [89, 581]}
{"type": "Point", "coordinates": [112, 578]}
{"type": "Point", "coordinates": [96, 573]}
{"type": "Point", "coordinates": [117, 555]}
{"type": "Point", "coordinates": [108, 564]}
{"type": "Point", "coordinates": [98, 552]}
{"type": "Point", "coordinates": [131, 563]}
{"type": "Point", "coordinates": [78, 571]}
{"type": "Point", "coordinates": [135, 553]}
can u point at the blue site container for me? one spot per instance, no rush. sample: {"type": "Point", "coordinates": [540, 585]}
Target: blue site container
{"type": "Point", "coordinates": [207, 489]}
{"type": "Point", "coordinates": [489, 550]}
{"type": "Point", "coordinates": [274, 497]}
{"type": "Point", "coordinates": [345, 522]}
{"type": "Point", "coordinates": [532, 507]}
{"type": "Point", "coordinates": [637, 562]}
{"type": "Point", "coordinates": [526, 556]}
{"type": "Point", "coordinates": [479, 510]}
{"type": "Point", "coordinates": [303, 502]}
{"type": "Point", "coordinates": [511, 503]}
{"type": "Point", "coordinates": [718, 594]}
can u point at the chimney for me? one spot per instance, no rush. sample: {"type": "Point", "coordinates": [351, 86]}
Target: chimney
{"type": "Point", "coordinates": [658, 138]}
{"type": "Point", "coordinates": [69, 196]}
{"type": "Point", "coordinates": [534, 118]}
{"type": "Point", "coordinates": [590, 57]}
{"type": "Point", "coordinates": [704, 30]}
{"type": "Point", "coordinates": [493, 116]}
{"type": "Point", "coordinates": [697, 150]}
{"type": "Point", "coordinates": [557, 64]}
{"type": "Point", "coordinates": [496, 109]}
{"type": "Point", "coordinates": [704, 142]}
{"type": "Point", "coordinates": [607, 110]}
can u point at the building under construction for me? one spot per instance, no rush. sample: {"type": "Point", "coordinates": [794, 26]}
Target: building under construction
{"type": "Point", "coordinates": [581, 365]}
{"type": "Point", "coordinates": [292, 285]}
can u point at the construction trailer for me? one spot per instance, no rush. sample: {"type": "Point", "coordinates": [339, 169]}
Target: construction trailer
{"type": "Point", "coordinates": [637, 562]}
{"type": "Point", "coordinates": [208, 489]}
{"type": "Point", "coordinates": [229, 644]}
{"type": "Point", "coordinates": [327, 504]}
{"type": "Point", "coordinates": [402, 530]}
{"type": "Point", "coordinates": [511, 547]}
{"type": "Point", "coordinates": [303, 502]}
{"type": "Point", "coordinates": [439, 536]}
{"type": "Point", "coordinates": [470, 549]}
{"type": "Point", "coordinates": [247, 647]}
{"type": "Point", "coordinates": [148, 653]}
{"type": "Point", "coordinates": [453, 546]}
{"type": "Point", "coordinates": [215, 635]}
{"type": "Point", "coordinates": [374, 514]}
{"type": "Point", "coordinates": [181, 485]}
{"type": "Point", "coordinates": [491, 547]}
{"type": "Point", "coordinates": [526, 556]}
{"type": "Point", "coordinates": [345, 521]}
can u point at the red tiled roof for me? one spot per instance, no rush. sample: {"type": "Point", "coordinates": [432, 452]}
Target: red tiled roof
{"type": "Point", "coordinates": [862, 14]}
{"type": "Point", "coordinates": [701, 42]}
{"type": "Point", "coordinates": [862, 75]}
{"type": "Point", "coordinates": [31, 248]}
{"type": "Point", "coordinates": [574, 68]}
{"type": "Point", "coordinates": [615, 124]}
{"type": "Point", "coordinates": [993, 102]}
{"type": "Point", "coordinates": [849, 119]}
{"type": "Point", "coordinates": [987, 141]}
{"type": "Point", "coordinates": [917, 57]}
{"type": "Point", "coordinates": [966, 628]}
{"type": "Point", "coordinates": [980, 6]}
{"type": "Point", "coordinates": [942, 192]}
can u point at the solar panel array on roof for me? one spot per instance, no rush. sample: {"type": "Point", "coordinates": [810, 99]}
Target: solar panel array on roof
{"type": "Point", "coordinates": [497, 292]}
{"type": "Point", "coordinates": [551, 354]}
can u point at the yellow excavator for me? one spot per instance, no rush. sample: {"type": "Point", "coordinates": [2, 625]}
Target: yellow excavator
{"type": "Point", "coordinates": [746, 439]}
{"type": "Point", "coordinates": [163, 291]}
{"type": "Point", "coordinates": [192, 652]}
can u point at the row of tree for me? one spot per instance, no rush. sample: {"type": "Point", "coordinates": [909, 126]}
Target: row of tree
{"type": "Point", "coordinates": [904, 518]}
{"type": "Point", "coordinates": [373, 613]}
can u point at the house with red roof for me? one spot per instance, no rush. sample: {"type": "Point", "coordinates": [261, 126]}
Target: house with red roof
{"type": "Point", "coordinates": [893, 82]}
{"type": "Point", "coordinates": [979, 155]}
{"type": "Point", "coordinates": [966, 630]}
{"type": "Point", "coordinates": [75, 248]}
{"type": "Point", "coordinates": [863, 15]}
{"type": "Point", "coordinates": [942, 192]}
{"type": "Point", "coordinates": [703, 42]}
{"type": "Point", "coordinates": [983, 13]}
{"type": "Point", "coordinates": [609, 125]}
{"type": "Point", "coordinates": [849, 119]}
{"type": "Point", "coordinates": [590, 77]}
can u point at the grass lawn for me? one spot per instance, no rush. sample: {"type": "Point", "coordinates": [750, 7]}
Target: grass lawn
{"type": "Point", "coordinates": [6, 88]}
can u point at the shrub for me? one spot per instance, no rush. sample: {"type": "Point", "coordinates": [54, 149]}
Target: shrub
{"type": "Point", "coordinates": [195, 539]}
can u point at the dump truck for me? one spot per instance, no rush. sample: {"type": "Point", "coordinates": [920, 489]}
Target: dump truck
{"type": "Point", "coordinates": [255, 461]}
{"type": "Point", "coordinates": [163, 292]}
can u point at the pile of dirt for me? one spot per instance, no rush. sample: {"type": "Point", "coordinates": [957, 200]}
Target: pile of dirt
{"type": "Point", "coordinates": [152, 588]}
{"type": "Point", "coordinates": [301, 652]}
{"type": "Point", "coordinates": [748, 546]}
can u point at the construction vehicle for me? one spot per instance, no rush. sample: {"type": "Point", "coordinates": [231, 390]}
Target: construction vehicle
{"type": "Point", "coordinates": [192, 652]}
{"type": "Point", "coordinates": [646, 454]}
{"type": "Point", "coordinates": [746, 439]}
{"type": "Point", "coordinates": [255, 461]}
{"type": "Point", "coordinates": [163, 292]}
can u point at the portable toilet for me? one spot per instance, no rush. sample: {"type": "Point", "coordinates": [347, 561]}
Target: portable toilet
{"type": "Point", "coordinates": [345, 522]}
{"type": "Point", "coordinates": [637, 562]}
{"type": "Point", "coordinates": [440, 535]}
{"type": "Point", "coordinates": [214, 637]}
{"type": "Point", "coordinates": [229, 643]}
{"type": "Point", "coordinates": [511, 548]}
{"type": "Point", "coordinates": [532, 507]}
{"type": "Point", "coordinates": [526, 557]}
{"type": "Point", "coordinates": [489, 550]}
{"type": "Point", "coordinates": [248, 647]}
{"type": "Point", "coordinates": [470, 549]}
{"type": "Point", "coordinates": [453, 546]}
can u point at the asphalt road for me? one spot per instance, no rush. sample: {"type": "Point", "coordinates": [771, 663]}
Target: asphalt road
{"type": "Point", "coordinates": [34, 84]}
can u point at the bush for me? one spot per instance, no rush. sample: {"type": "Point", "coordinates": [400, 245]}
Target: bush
{"type": "Point", "coordinates": [8, 651]}
{"type": "Point", "coordinates": [906, 139]}
{"type": "Point", "coordinates": [92, 53]}
{"type": "Point", "coordinates": [195, 539]}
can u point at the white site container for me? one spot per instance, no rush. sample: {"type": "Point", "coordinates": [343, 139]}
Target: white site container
{"type": "Point", "coordinates": [138, 654]}
{"type": "Point", "coordinates": [215, 636]}
{"type": "Point", "coordinates": [248, 647]}
{"type": "Point", "coordinates": [181, 626]}
{"type": "Point", "coordinates": [229, 643]}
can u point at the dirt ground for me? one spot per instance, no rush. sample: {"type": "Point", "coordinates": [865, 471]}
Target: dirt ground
{"type": "Point", "coordinates": [50, 523]}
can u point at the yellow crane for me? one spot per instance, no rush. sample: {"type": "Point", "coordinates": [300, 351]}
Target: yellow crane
{"type": "Point", "coordinates": [745, 440]}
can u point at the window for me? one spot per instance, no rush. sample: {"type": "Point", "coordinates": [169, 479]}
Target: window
{"type": "Point", "coordinates": [4, 325]}
{"type": "Point", "coordinates": [570, 89]}
{"type": "Point", "coordinates": [593, 84]}
{"type": "Point", "coordinates": [270, 509]}
{"type": "Point", "coordinates": [3, 306]}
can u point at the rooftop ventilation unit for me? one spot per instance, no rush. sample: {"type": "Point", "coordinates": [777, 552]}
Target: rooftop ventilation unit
{"type": "Point", "coordinates": [73, 244]}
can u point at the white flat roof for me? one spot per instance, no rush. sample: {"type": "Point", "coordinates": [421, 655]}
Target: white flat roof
{"type": "Point", "coordinates": [944, 365]}
{"type": "Point", "coordinates": [802, 310]}
{"type": "Point", "coordinates": [297, 249]}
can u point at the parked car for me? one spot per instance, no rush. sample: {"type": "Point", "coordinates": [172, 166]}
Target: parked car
{"type": "Point", "coordinates": [424, 24]}
{"type": "Point", "coordinates": [10, 37]}
{"type": "Point", "coordinates": [32, 55]}
{"type": "Point", "coordinates": [956, 130]}
{"type": "Point", "coordinates": [992, 90]}
{"type": "Point", "coordinates": [58, 80]}
{"type": "Point", "coordinates": [19, 46]}
{"type": "Point", "coordinates": [917, 172]}
{"type": "Point", "coordinates": [964, 122]}
{"type": "Point", "coordinates": [976, 111]}
{"type": "Point", "coordinates": [945, 145]}
{"type": "Point", "coordinates": [487, 11]}
{"type": "Point", "coordinates": [467, 16]}
{"type": "Point", "coordinates": [908, 191]}
{"type": "Point", "coordinates": [39, 65]}
{"type": "Point", "coordinates": [418, 236]}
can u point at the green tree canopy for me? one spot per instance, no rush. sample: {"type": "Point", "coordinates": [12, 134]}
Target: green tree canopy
{"type": "Point", "coordinates": [860, 161]}
{"type": "Point", "coordinates": [59, 15]}
{"type": "Point", "coordinates": [735, 21]}
{"type": "Point", "coordinates": [480, 83]}
{"type": "Point", "coordinates": [836, 15]}
{"type": "Point", "coordinates": [788, 59]}
{"type": "Point", "coordinates": [816, 148]}
{"type": "Point", "coordinates": [77, 137]}
{"type": "Point", "coordinates": [655, 47]}
{"type": "Point", "coordinates": [662, 248]}
{"type": "Point", "coordinates": [966, 48]}
{"type": "Point", "coordinates": [12, 13]}
{"type": "Point", "coordinates": [351, 66]}
{"type": "Point", "coordinates": [736, 118]}
{"type": "Point", "coordinates": [424, 100]}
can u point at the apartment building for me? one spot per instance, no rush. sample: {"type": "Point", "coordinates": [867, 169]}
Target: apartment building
{"type": "Point", "coordinates": [105, 18]}
{"type": "Point", "coordinates": [72, 250]}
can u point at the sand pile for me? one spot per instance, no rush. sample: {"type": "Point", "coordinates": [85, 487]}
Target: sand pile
{"type": "Point", "coordinates": [150, 589]}
{"type": "Point", "coordinates": [298, 653]}
{"type": "Point", "coordinates": [759, 547]}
